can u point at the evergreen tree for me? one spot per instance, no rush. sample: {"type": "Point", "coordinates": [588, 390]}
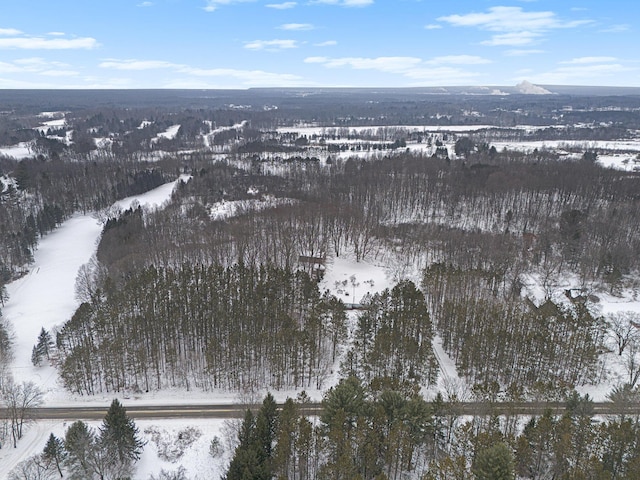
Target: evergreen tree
{"type": "Point", "coordinates": [244, 464]}
{"type": "Point", "coordinates": [265, 435]}
{"type": "Point", "coordinates": [253, 458]}
{"type": "Point", "coordinates": [79, 442]}
{"type": "Point", "coordinates": [283, 452]}
{"type": "Point", "coordinates": [54, 452]}
{"type": "Point", "coordinates": [42, 348]}
{"type": "Point", "coordinates": [36, 358]}
{"type": "Point", "coordinates": [119, 434]}
{"type": "Point", "coordinates": [494, 463]}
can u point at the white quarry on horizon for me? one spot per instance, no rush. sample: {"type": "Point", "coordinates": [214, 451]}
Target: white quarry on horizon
{"type": "Point", "coordinates": [528, 88]}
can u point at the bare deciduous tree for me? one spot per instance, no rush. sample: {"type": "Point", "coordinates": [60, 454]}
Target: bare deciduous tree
{"type": "Point", "coordinates": [19, 399]}
{"type": "Point", "coordinates": [623, 329]}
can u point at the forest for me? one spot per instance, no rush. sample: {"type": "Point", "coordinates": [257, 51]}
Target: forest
{"type": "Point", "coordinates": [222, 289]}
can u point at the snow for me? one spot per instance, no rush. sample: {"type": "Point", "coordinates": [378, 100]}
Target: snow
{"type": "Point", "coordinates": [630, 163]}
{"type": "Point", "coordinates": [153, 199]}
{"type": "Point", "coordinates": [31, 444]}
{"type": "Point", "coordinates": [209, 136]}
{"type": "Point", "coordinates": [315, 130]}
{"type": "Point", "coordinates": [6, 182]}
{"type": "Point", "coordinates": [350, 281]}
{"type": "Point", "coordinates": [18, 151]}
{"type": "Point", "coordinates": [51, 114]}
{"type": "Point", "coordinates": [227, 209]}
{"type": "Point", "coordinates": [614, 145]}
{"type": "Point", "coordinates": [45, 298]}
{"type": "Point", "coordinates": [55, 124]}
{"type": "Point", "coordinates": [195, 459]}
{"type": "Point", "coordinates": [170, 133]}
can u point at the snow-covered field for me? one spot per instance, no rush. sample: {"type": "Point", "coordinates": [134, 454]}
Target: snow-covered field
{"type": "Point", "coordinates": [18, 151]}
{"type": "Point", "coordinates": [170, 133]}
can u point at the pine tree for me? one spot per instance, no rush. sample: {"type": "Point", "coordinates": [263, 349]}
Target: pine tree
{"type": "Point", "coordinates": [244, 463]}
{"type": "Point", "coordinates": [494, 463]}
{"type": "Point", "coordinates": [79, 442]}
{"type": "Point", "coordinates": [267, 427]}
{"type": "Point", "coordinates": [54, 452]}
{"type": "Point", "coordinates": [42, 348]}
{"type": "Point", "coordinates": [36, 358]}
{"type": "Point", "coordinates": [119, 434]}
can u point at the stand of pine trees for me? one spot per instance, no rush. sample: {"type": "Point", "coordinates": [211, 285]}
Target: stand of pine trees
{"type": "Point", "coordinates": [393, 338]}
{"type": "Point", "coordinates": [203, 327]}
{"type": "Point", "coordinates": [510, 340]}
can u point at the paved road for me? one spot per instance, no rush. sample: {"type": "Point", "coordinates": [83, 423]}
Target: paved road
{"type": "Point", "coordinates": [236, 411]}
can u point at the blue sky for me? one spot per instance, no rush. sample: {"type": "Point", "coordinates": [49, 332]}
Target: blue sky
{"type": "Point", "coordinates": [316, 43]}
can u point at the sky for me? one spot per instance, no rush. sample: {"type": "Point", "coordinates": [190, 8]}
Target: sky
{"type": "Point", "coordinates": [317, 43]}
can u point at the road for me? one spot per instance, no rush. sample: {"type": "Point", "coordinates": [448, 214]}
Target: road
{"type": "Point", "coordinates": [236, 411]}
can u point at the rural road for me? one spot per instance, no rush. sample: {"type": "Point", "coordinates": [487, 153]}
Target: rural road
{"type": "Point", "coordinates": [235, 411]}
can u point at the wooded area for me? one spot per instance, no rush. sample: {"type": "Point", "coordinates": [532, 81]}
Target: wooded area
{"type": "Point", "coordinates": [221, 288]}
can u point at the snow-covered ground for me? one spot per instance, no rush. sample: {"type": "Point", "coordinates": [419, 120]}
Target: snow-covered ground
{"type": "Point", "coordinates": [170, 133]}
{"type": "Point", "coordinates": [555, 145]}
{"type": "Point", "coordinates": [189, 441]}
{"type": "Point", "coordinates": [45, 298]}
{"type": "Point", "coordinates": [18, 151]}
{"type": "Point", "coordinates": [315, 130]}
{"type": "Point", "coordinates": [206, 139]}
{"type": "Point", "coordinates": [52, 125]}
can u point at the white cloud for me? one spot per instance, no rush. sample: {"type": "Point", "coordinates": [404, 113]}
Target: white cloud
{"type": "Point", "coordinates": [10, 68]}
{"type": "Point", "coordinates": [38, 62]}
{"type": "Point", "coordinates": [328, 43]}
{"type": "Point", "coordinates": [441, 76]}
{"type": "Point", "coordinates": [56, 34]}
{"type": "Point", "coordinates": [512, 39]}
{"type": "Point", "coordinates": [145, 4]}
{"type": "Point", "coordinates": [616, 28]}
{"type": "Point", "coordinates": [458, 60]}
{"type": "Point", "coordinates": [504, 19]}
{"type": "Point", "coordinates": [589, 60]}
{"type": "Point", "coordinates": [522, 52]}
{"type": "Point", "coordinates": [345, 3]}
{"type": "Point", "coordinates": [271, 45]}
{"type": "Point", "coordinates": [59, 73]}
{"type": "Point", "coordinates": [246, 77]}
{"type": "Point", "coordinates": [581, 73]}
{"type": "Point", "coordinates": [10, 31]}
{"type": "Point", "coordinates": [213, 5]}
{"type": "Point", "coordinates": [137, 64]}
{"type": "Point", "coordinates": [437, 71]}
{"type": "Point", "coordinates": [38, 43]}
{"type": "Point", "coordinates": [297, 26]}
{"type": "Point", "coordinates": [282, 6]}
{"type": "Point", "coordinates": [382, 64]}
{"type": "Point", "coordinates": [513, 25]}
{"type": "Point", "coordinates": [433, 26]}
{"type": "Point", "coordinates": [38, 66]}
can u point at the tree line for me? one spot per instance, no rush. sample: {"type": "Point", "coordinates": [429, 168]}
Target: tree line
{"type": "Point", "coordinates": [388, 431]}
